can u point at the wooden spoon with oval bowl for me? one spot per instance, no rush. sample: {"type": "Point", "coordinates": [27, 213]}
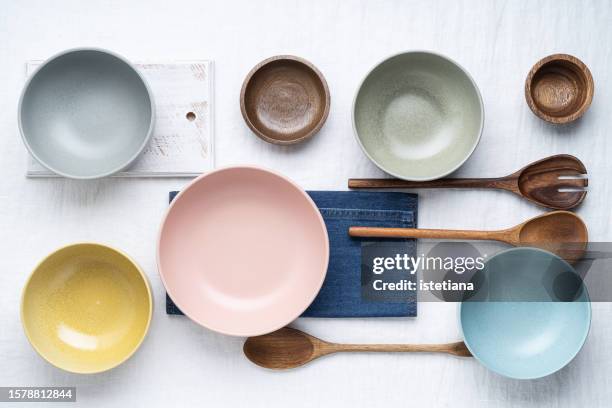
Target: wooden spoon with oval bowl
{"type": "Point", "coordinates": [560, 232]}
{"type": "Point", "coordinates": [290, 348]}
{"type": "Point", "coordinates": [555, 182]}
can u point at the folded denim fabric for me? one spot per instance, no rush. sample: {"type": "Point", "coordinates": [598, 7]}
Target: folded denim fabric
{"type": "Point", "coordinates": [342, 293]}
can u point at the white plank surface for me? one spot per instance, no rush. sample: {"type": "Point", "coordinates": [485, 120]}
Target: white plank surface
{"type": "Point", "coordinates": [180, 363]}
{"type": "Point", "coordinates": [179, 146]}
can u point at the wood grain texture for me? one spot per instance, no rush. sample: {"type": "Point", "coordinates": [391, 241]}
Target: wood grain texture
{"type": "Point", "coordinates": [504, 183]}
{"type": "Point", "coordinates": [285, 100]}
{"type": "Point", "coordinates": [458, 348]}
{"type": "Point", "coordinates": [509, 237]}
{"type": "Point", "coordinates": [559, 88]}
{"type": "Point", "coordinates": [558, 182]}
{"type": "Point", "coordinates": [560, 232]}
{"type": "Point", "coordinates": [290, 348]}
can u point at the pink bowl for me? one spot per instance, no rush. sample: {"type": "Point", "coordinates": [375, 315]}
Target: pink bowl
{"type": "Point", "coordinates": [243, 251]}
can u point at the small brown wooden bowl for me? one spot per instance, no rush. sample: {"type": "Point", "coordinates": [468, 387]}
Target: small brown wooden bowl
{"type": "Point", "coordinates": [559, 88]}
{"type": "Point", "coordinates": [285, 100]}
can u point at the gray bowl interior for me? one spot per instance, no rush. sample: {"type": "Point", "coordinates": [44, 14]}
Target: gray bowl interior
{"type": "Point", "coordinates": [86, 114]}
{"type": "Point", "coordinates": [418, 116]}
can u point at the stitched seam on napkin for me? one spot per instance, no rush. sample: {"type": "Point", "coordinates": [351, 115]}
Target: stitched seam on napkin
{"type": "Point", "coordinates": [368, 215]}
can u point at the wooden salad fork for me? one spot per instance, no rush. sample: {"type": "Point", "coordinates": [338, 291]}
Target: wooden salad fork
{"type": "Point", "coordinates": [558, 182]}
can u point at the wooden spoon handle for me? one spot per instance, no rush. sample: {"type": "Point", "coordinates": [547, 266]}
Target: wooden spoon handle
{"type": "Point", "coordinates": [506, 183]}
{"type": "Point", "coordinates": [458, 348]}
{"type": "Point", "coordinates": [376, 232]}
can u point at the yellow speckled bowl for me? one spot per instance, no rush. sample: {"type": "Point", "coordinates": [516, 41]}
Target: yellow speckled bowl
{"type": "Point", "coordinates": [86, 308]}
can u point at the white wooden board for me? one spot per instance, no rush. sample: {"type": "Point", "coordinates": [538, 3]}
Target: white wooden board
{"type": "Point", "coordinates": [182, 144]}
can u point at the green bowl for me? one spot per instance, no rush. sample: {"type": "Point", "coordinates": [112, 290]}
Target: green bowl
{"type": "Point", "coordinates": [418, 115]}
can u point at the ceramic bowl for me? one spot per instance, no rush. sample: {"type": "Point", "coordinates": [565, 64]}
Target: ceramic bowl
{"type": "Point", "coordinates": [285, 100]}
{"type": "Point", "coordinates": [559, 88]}
{"type": "Point", "coordinates": [243, 251]}
{"type": "Point", "coordinates": [418, 115]}
{"type": "Point", "coordinates": [86, 308]}
{"type": "Point", "coordinates": [534, 320]}
{"type": "Point", "coordinates": [86, 113]}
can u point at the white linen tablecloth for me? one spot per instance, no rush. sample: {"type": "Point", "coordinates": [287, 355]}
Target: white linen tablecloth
{"type": "Point", "coordinates": [181, 363]}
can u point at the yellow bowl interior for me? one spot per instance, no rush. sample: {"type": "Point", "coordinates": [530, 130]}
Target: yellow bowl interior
{"type": "Point", "coordinates": [86, 308]}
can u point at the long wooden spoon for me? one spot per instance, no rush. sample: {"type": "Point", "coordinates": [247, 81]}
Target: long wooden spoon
{"type": "Point", "coordinates": [290, 348]}
{"type": "Point", "coordinates": [556, 182]}
{"type": "Point", "coordinates": [560, 232]}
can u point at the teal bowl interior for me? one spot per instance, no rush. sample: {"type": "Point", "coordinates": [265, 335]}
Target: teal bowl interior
{"type": "Point", "coordinates": [86, 113]}
{"type": "Point", "coordinates": [532, 315]}
{"type": "Point", "coordinates": [418, 116]}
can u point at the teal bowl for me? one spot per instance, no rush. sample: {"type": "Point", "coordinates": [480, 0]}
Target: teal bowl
{"type": "Point", "coordinates": [418, 115]}
{"type": "Point", "coordinates": [532, 315]}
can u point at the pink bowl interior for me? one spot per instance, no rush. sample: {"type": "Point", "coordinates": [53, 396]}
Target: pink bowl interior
{"type": "Point", "coordinates": [243, 251]}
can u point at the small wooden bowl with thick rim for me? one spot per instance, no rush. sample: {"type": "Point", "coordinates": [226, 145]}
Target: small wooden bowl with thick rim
{"type": "Point", "coordinates": [559, 88]}
{"type": "Point", "coordinates": [285, 100]}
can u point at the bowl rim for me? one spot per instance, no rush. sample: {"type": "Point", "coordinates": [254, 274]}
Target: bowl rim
{"type": "Point", "coordinates": [474, 86]}
{"type": "Point", "coordinates": [570, 358]}
{"type": "Point", "coordinates": [177, 300]}
{"type": "Point", "coordinates": [590, 88]}
{"type": "Point", "coordinates": [247, 82]}
{"type": "Point", "coordinates": [76, 50]}
{"type": "Point", "coordinates": [53, 253]}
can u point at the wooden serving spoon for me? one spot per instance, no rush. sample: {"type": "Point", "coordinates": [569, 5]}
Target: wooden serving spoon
{"type": "Point", "coordinates": [290, 348]}
{"type": "Point", "coordinates": [555, 182]}
{"type": "Point", "coordinates": [560, 232]}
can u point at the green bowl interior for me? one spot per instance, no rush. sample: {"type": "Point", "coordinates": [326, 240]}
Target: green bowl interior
{"type": "Point", "coordinates": [418, 116]}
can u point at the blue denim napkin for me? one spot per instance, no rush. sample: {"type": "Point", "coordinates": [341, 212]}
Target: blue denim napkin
{"type": "Point", "coordinates": [341, 294]}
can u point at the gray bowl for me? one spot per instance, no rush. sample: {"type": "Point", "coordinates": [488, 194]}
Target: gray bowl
{"type": "Point", "coordinates": [418, 115]}
{"type": "Point", "coordinates": [86, 113]}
